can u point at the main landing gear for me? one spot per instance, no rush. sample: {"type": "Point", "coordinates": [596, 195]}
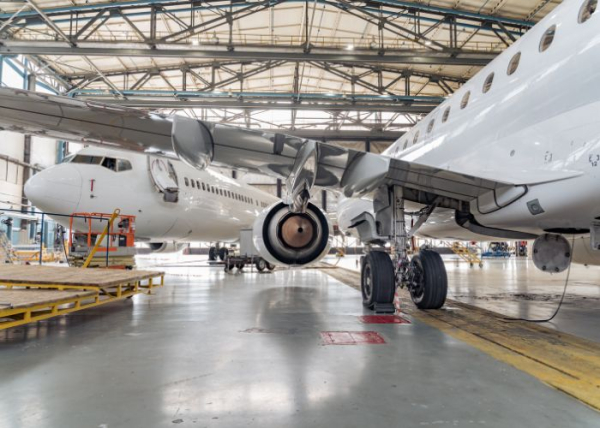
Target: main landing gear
{"type": "Point", "coordinates": [214, 253]}
{"type": "Point", "coordinates": [424, 276]}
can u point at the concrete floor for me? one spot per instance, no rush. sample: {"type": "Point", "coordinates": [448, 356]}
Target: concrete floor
{"type": "Point", "coordinates": [195, 355]}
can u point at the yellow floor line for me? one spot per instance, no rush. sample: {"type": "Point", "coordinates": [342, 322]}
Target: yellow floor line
{"type": "Point", "coordinates": [563, 361]}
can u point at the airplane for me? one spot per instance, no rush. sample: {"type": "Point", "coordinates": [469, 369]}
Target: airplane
{"type": "Point", "coordinates": [172, 201]}
{"type": "Point", "coordinates": [513, 154]}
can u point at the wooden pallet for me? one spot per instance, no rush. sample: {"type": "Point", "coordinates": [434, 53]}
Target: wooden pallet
{"type": "Point", "coordinates": [34, 293]}
{"type": "Point", "coordinates": [64, 276]}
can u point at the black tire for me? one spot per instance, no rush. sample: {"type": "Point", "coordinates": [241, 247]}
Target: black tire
{"type": "Point", "coordinates": [261, 264]}
{"type": "Point", "coordinates": [212, 254]}
{"type": "Point", "coordinates": [223, 252]}
{"type": "Point", "coordinates": [377, 281]}
{"type": "Point", "coordinates": [433, 288]}
{"type": "Point", "coordinates": [270, 266]}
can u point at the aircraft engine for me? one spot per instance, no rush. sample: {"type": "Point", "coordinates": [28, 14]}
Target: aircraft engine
{"type": "Point", "coordinates": [551, 253]}
{"type": "Point", "coordinates": [292, 239]}
{"type": "Point", "coordinates": [166, 247]}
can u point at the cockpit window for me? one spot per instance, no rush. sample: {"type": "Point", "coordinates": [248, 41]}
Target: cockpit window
{"type": "Point", "coordinates": [91, 160]}
{"type": "Point", "coordinates": [110, 163]}
{"type": "Point", "coordinates": [123, 165]}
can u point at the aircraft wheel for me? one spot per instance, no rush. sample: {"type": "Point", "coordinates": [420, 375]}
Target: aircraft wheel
{"type": "Point", "coordinates": [223, 252]}
{"type": "Point", "coordinates": [261, 264]}
{"type": "Point", "coordinates": [377, 279]}
{"type": "Point", "coordinates": [270, 266]}
{"type": "Point", "coordinates": [428, 282]}
{"type": "Point", "coordinates": [212, 254]}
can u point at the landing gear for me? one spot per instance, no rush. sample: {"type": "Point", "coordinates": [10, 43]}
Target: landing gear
{"type": "Point", "coordinates": [261, 264]}
{"type": "Point", "coordinates": [426, 280]}
{"type": "Point", "coordinates": [212, 254]}
{"type": "Point", "coordinates": [223, 252]}
{"type": "Point", "coordinates": [424, 275]}
{"type": "Point", "coordinates": [377, 280]}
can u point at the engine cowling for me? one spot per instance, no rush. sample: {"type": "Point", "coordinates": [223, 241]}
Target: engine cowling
{"type": "Point", "coordinates": [166, 247]}
{"type": "Point", "coordinates": [285, 238]}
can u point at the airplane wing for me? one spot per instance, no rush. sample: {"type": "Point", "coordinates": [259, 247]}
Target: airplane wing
{"type": "Point", "coordinates": [201, 143]}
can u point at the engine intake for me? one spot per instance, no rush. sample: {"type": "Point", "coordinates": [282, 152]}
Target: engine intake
{"type": "Point", "coordinates": [166, 247]}
{"type": "Point", "coordinates": [283, 237]}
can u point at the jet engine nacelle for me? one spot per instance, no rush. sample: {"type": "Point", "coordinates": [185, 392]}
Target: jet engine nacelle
{"type": "Point", "coordinates": [166, 247]}
{"type": "Point", "coordinates": [286, 238]}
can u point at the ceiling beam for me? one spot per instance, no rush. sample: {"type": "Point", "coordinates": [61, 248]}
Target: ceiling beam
{"type": "Point", "coordinates": [288, 53]}
{"type": "Point", "coordinates": [342, 135]}
{"type": "Point", "coordinates": [244, 104]}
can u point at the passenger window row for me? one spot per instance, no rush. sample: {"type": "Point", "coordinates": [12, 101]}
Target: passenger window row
{"type": "Point", "coordinates": [588, 8]}
{"type": "Point", "coordinates": [197, 184]}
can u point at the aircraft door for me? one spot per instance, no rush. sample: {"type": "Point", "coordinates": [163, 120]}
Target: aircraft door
{"type": "Point", "coordinates": [164, 177]}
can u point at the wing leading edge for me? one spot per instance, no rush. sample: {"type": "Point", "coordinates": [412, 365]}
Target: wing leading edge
{"type": "Point", "coordinates": [200, 143]}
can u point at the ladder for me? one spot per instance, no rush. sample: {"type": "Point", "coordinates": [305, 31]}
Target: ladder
{"type": "Point", "coordinates": [7, 254]}
{"type": "Point", "coordinates": [465, 253]}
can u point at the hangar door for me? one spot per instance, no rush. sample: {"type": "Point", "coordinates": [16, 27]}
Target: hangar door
{"type": "Point", "coordinates": [165, 178]}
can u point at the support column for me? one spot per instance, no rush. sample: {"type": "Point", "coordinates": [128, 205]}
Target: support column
{"type": "Point", "coordinates": [30, 81]}
{"type": "Point", "coordinates": [279, 187]}
{"type": "Point", "coordinates": [324, 200]}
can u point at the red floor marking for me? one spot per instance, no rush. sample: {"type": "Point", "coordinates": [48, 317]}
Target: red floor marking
{"type": "Point", "coordinates": [352, 338]}
{"type": "Point", "coordinates": [383, 319]}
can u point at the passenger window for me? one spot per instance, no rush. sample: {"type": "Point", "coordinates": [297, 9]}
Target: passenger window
{"type": "Point", "coordinates": [198, 184]}
{"type": "Point", "coordinates": [203, 186]}
{"type": "Point", "coordinates": [123, 165]}
{"type": "Point", "coordinates": [487, 85]}
{"type": "Point", "coordinates": [186, 181]}
{"type": "Point", "coordinates": [446, 115]}
{"type": "Point", "coordinates": [514, 63]}
{"type": "Point", "coordinates": [416, 138]}
{"type": "Point", "coordinates": [547, 38]}
{"type": "Point", "coordinates": [465, 100]}
{"type": "Point", "coordinates": [430, 126]}
{"type": "Point", "coordinates": [587, 10]}
{"type": "Point", "coordinates": [110, 163]}
{"type": "Point", "coordinates": [193, 184]}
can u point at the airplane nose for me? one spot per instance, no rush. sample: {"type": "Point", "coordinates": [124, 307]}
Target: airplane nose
{"type": "Point", "coordinates": [56, 189]}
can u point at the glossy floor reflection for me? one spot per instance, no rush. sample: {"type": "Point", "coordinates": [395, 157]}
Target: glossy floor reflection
{"type": "Point", "coordinates": [515, 288]}
{"type": "Point", "coordinates": [218, 350]}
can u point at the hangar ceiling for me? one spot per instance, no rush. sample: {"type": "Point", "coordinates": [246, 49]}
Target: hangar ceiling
{"type": "Point", "coordinates": [341, 66]}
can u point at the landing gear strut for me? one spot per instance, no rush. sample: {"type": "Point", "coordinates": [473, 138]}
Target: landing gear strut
{"type": "Point", "coordinates": [424, 275]}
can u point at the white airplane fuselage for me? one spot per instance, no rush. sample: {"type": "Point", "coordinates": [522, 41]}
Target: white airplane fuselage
{"type": "Point", "coordinates": [538, 128]}
{"type": "Point", "coordinates": [214, 209]}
